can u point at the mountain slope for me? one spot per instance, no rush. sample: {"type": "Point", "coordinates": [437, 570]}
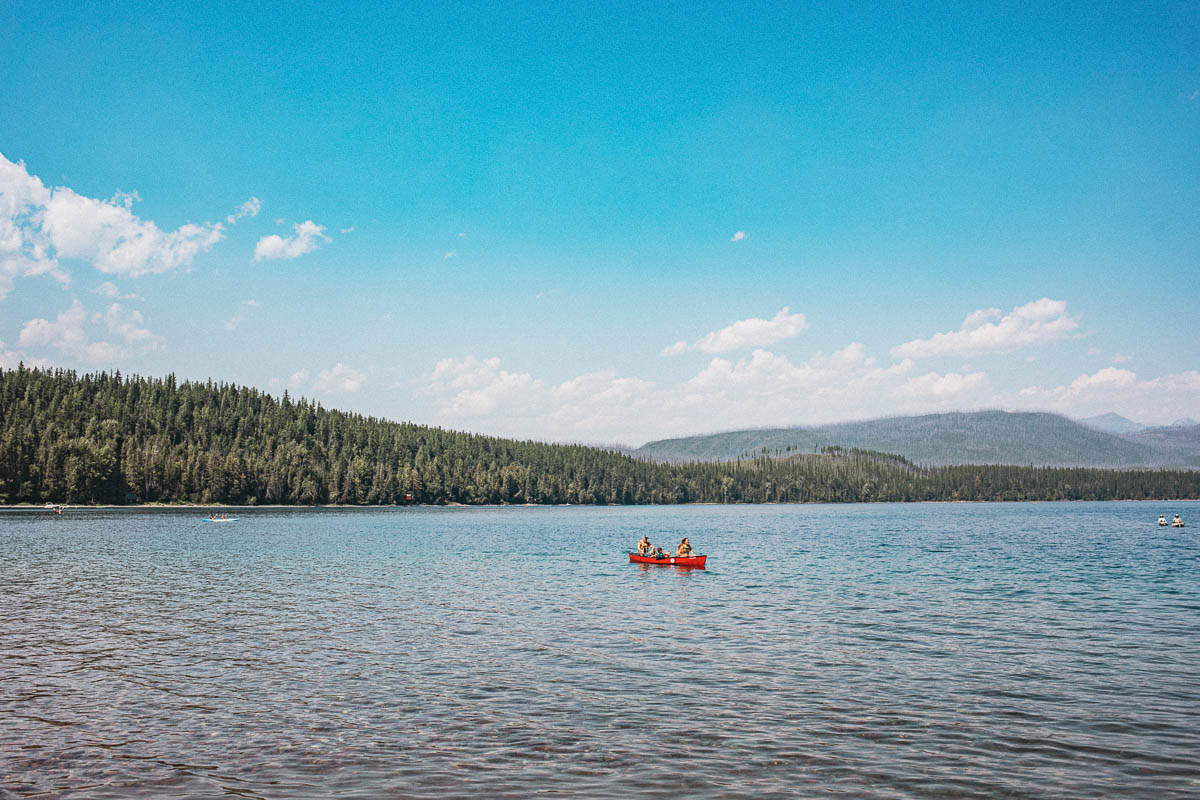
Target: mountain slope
{"type": "Point", "coordinates": [983, 437]}
{"type": "Point", "coordinates": [1182, 442]}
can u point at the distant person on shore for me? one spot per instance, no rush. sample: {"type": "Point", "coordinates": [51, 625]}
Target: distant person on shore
{"type": "Point", "coordinates": [684, 550]}
{"type": "Point", "coordinates": [644, 547]}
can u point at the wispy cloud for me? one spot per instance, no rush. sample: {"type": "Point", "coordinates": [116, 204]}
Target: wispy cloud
{"type": "Point", "coordinates": [250, 208]}
{"type": "Point", "coordinates": [738, 236]}
{"type": "Point", "coordinates": [677, 349]}
{"type": "Point", "coordinates": [990, 331]}
{"type": "Point", "coordinates": [450, 254]}
{"type": "Point", "coordinates": [307, 237]}
{"type": "Point", "coordinates": [753, 332]}
{"type": "Point", "coordinates": [233, 322]}
{"type": "Point", "coordinates": [110, 290]}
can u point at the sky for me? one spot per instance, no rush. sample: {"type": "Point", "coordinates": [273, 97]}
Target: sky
{"type": "Point", "coordinates": [611, 223]}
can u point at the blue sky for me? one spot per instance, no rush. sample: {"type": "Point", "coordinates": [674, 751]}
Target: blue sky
{"type": "Point", "coordinates": [614, 223]}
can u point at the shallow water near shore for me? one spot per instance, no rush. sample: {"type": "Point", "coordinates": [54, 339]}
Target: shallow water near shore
{"type": "Point", "coordinates": [891, 651]}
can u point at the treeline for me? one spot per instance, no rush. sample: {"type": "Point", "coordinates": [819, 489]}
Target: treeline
{"type": "Point", "coordinates": [105, 438]}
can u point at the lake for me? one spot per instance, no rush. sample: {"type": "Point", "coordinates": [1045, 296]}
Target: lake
{"type": "Point", "coordinates": [879, 651]}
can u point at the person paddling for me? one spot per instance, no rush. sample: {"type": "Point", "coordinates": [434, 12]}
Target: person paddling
{"type": "Point", "coordinates": [684, 550]}
{"type": "Point", "coordinates": [644, 547]}
{"type": "Point", "coordinates": [1177, 522]}
{"type": "Point", "coordinates": [1162, 519]}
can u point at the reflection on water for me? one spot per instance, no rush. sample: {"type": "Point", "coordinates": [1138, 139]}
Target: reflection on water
{"type": "Point", "coordinates": [1048, 650]}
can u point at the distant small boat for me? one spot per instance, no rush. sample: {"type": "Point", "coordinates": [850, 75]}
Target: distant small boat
{"type": "Point", "coordinates": [696, 562]}
{"type": "Point", "coordinates": [226, 519]}
{"type": "Point", "coordinates": [1177, 525]}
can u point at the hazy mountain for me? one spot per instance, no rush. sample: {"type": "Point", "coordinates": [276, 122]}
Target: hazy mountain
{"type": "Point", "coordinates": [1185, 422]}
{"type": "Point", "coordinates": [1113, 423]}
{"type": "Point", "coordinates": [983, 437]}
{"type": "Point", "coordinates": [1182, 442]}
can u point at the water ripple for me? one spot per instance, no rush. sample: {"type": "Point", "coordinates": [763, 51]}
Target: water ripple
{"type": "Point", "coordinates": [944, 650]}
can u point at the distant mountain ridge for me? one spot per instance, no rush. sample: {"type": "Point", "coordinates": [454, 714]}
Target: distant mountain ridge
{"type": "Point", "coordinates": [1113, 423]}
{"type": "Point", "coordinates": [980, 437]}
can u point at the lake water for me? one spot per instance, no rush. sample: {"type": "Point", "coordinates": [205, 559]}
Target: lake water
{"type": "Point", "coordinates": [890, 651]}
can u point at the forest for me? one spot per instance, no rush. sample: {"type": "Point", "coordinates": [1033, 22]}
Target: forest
{"type": "Point", "coordinates": [104, 438]}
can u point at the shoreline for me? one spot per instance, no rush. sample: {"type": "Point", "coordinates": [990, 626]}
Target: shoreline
{"type": "Point", "coordinates": [217, 507]}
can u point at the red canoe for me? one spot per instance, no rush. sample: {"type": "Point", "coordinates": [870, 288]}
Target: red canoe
{"type": "Point", "coordinates": [671, 561]}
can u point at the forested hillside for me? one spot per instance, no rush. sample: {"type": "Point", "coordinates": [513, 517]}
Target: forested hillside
{"type": "Point", "coordinates": [104, 438]}
{"type": "Point", "coordinates": [981, 437]}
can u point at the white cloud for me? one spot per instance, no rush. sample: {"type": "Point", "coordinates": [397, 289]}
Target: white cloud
{"type": "Point", "coordinates": [753, 332]}
{"type": "Point", "coordinates": [952, 384]}
{"type": "Point", "coordinates": [115, 241]}
{"type": "Point", "coordinates": [339, 378]}
{"type": "Point", "coordinates": [1158, 400]}
{"type": "Point", "coordinates": [24, 250]}
{"type": "Point", "coordinates": [1121, 358]}
{"type": "Point", "coordinates": [250, 208]}
{"type": "Point", "coordinates": [128, 325]}
{"type": "Point", "coordinates": [677, 349]}
{"type": "Point", "coordinates": [299, 379]}
{"type": "Point", "coordinates": [67, 334]}
{"type": "Point", "coordinates": [39, 227]}
{"type": "Point", "coordinates": [472, 387]}
{"type": "Point", "coordinates": [10, 359]}
{"type": "Point", "coordinates": [991, 331]}
{"type": "Point", "coordinates": [308, 236]}
{"type": "Point", "coordinates": [450, 254]}
{"type": "Point", "coordinates": [737, 237]}
{"type": "Point", "coordinates": [346, 230]}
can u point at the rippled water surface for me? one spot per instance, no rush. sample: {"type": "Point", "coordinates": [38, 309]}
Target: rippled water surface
{"type": "Point", "coordinates": [1038, 650]}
